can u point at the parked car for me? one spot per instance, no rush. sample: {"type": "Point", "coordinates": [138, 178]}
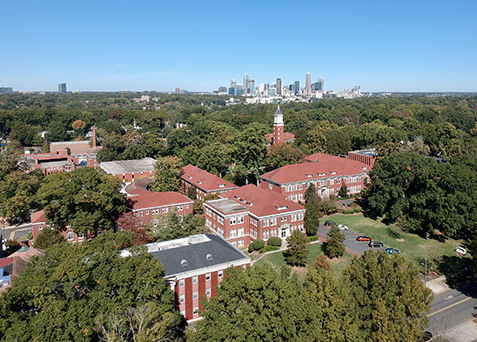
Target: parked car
{"type": "Point", "coordinates": [328, 223]}
{"type": "Point", "coordinates": [427, 336]}
{"type": "Point", "coordinates": [375, 244]}
{"type": "Point", "coordinates": [391, 251]}
{"type": "Point", "coordinates": [363, 238]}
{"type": "Point", "coordinates": [342, 227]}
{"type": "Point", "coordinates": [460, 250]}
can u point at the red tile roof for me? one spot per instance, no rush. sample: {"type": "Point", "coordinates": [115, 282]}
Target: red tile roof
{"type": "Point", "coordinates": [5, 261]}
{"type": "Point", "coordinates": [143, 199]}
{"type": "Point", "coordinates": [261, 202]}
{"type": "Point", "coordinates": [38, 217]}
{"type": "Point", "coordinates": [315, 165]}
{"type": "Point", "coordinates": [204, 180]}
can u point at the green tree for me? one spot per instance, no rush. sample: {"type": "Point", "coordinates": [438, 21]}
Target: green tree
{"type": "Point", "coordinates": [48, 238]}
{"type": "Point", "coordinates": [174, 226]}
{"type": "Point", "coordinates": [312, 215]}
{"type": "Point", "coordinates": [335, 244]}
{"type": "Point", "coordinates": [283, 154]}
{"type": "Point", "coordinates": [343, 191]}
{"type": "Point", "coordinates": [388, 300]}
{"type": "Point", "coordinates": [254, 305]}
{"type": "Point", "coordinates": [298, 248]}
{"type": "Point", "coordinates": [56, 299]}
{"type": "Point", "coordinates": [85, 198]}
{"type": "Point", "coordinates": [168, 173]}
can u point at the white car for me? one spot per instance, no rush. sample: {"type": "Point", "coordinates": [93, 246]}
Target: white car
{"type": "Point", "coordinates": [460, 250]}
{"type": "Point", "coordinates": [342, 227]}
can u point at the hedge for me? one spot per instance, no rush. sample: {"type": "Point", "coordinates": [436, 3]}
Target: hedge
{"type": "Point", "coordinates": [269, 248]}
{"type": "Point", "coordinates": [313, 238]}
{"type": "Point", "coordinates": [274, 241]}
{"type": "Point", "coordinates": [258, 244]}
{"type": "Point", "coordinates": [348, 211]}
{"type": "Point", "coordinates": [357, 209]}
{"type": "Point", "coordinates": [251, 248]}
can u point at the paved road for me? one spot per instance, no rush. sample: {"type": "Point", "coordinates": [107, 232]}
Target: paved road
{"type": "Point", "coordinates": [350, 241]}
{"type": "Point", "coordinates": [17, 231]}
{"type": "Point", "coordinates": [452, 308]}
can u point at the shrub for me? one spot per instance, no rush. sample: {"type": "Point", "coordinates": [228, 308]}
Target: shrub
{"type": "Point", "coordinates": [269, 248]}
{"type": "Point", "coordinates": [357, 209]}
{"type": "Point", "coordinates": [251, 248]}
{"type": "Point", "coordinates": [313, 238]}
{"type": "Point", "coordinates": [258, 244]}
{"type": "Point", "coordinates": [274, 241]}
{"type": "Point", "coordinates": [348, 211]}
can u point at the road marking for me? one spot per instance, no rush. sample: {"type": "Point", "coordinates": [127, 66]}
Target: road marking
{"type": "Point", "coordinates": [447, 307]}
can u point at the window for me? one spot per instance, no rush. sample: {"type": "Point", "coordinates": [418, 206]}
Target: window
{"type": "Point", "coordinates": [195, 295]}
{"type": "Point", "coordinates": [240, 219]}
{"type": "Point", "coordinates": [208, 292]}
{"type": "Point", "coordinates": [220, 274]}
{"type": "Point", "coordinates": [40, 227]}
{"type": "Point", "coordinates": [194, 280]}
{"type": "Point", "coordinates": [163, 210]}
{"type": "Point", "coordinates": [147, 212]}
{"type": "Point", "coordinates": [240, 243]}
{"type": "Point", "coordinates": [196, 310]}
{"type": "Point", "coordinates": [183, 313]}
{"type": "Point", "coordinates": [338, 181]}
{"type": "Point", "coordinates": [187, 206]}
{"type": "Point", "coordinates": [181, 283]}
{"type": "Point", "coordinates": [241, 232]}
{"type": "Point", "coordinates": [82, 236]}
{"type": "Point", "coordinates": [184, 263]}
{"type": "Point", "coordinates": [182, 298]}
{"type": "Point", "coordinates": [284, 218]}
{"type": "Point", "coordinates": [208, 212]}
{"type": "Point", "coordinates": [332, 181]}
{"type": "Point", "coordinates": [270, 185]}
{"type": "Point", "coordinates": [207, 276]}
{"type": "Point", "coordinates": [233, 243]}
{"type": "Point", "coordinates": [155, 222]}
{"type": "Point", "coordinates": [233, 233]}
{"type": "Point", "coordinates": [70, 235]}
{"type": "Point", "coordinates": [233, 220]}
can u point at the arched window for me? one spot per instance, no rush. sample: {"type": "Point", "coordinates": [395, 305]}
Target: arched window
{"type": "Point", "coordinates": [70, 235]}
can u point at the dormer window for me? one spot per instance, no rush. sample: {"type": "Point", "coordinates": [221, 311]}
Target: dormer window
{"type": "Point", "coordinates": [221, 185]}
{"type": "Point", "coordinates": [365, 168]}
{"type": "Point", "coordinates": [184, 263]}
{"type": "Point", "coordinates": [200, 182]}
{"type": "Point", "coordinates": [333, 172]}
{"type": "Point", "coordinates": [209, 257]}
{"type": "Point", "coordinates": [309, 176]}
{"type": "Point", "coordinates": [190, 177]}
{"type": "Point", "coordinates": [321, 174]}
{"type": "Point", "coordinates": [282, 207]}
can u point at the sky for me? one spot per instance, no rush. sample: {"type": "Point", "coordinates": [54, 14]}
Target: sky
{"type": "Point", "coordinates": [102, 45]}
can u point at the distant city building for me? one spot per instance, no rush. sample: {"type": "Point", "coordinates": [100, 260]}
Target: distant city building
{"type": "Point", "coordinates": [222, 89]}
{"type": "Point", "coordinates": [239, 89]}
{"type": "Point", "coordinates": [6, 90]}
{"type": "Point", "coordinates": [263, 89]}
{"type": "Point", "coordinates": [178, 90]}
{"type": "Point", "coordinates": [62, 88]}
{"type": "Point", "coordinates": [246, 84]}
{"type": "Point", "coordinates": [297, 87]}
{"type": "Point", "coordinates": [279, 86]}
{"type": "Point", "coordinates": [320, 85]}
{"type": "Point", "coordinates": [308, 84]}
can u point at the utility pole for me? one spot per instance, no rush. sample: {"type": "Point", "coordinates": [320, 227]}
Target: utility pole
{"type": "Point", "coordinates": [425, 275]}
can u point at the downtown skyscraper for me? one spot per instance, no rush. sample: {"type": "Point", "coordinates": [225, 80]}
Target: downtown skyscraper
{"type": "Point", "coordinates": [308, 84]}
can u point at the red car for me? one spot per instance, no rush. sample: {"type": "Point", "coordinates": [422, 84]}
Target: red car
{"type": "Point", "coordinates": [363, 238]}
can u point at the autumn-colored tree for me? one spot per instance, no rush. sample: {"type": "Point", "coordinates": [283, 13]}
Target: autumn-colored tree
{"type": "Point", "coordinates": [130, 222]}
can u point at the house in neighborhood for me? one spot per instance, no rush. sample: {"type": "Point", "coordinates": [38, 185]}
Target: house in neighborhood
{"type": "Point", "coordinates": [205, 182]}
{"type": "Point", "coordinates": [249, 212]}
{"type": "Point", "coordinates": [130, 170]}
{"type": "Point", "coordinates": [194, 267]}
{"type": "Point", "coordinates": [328, 173]}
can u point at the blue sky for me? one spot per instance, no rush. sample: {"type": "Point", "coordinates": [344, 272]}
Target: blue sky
{"type": "Point", "coordinates": [200, 45]}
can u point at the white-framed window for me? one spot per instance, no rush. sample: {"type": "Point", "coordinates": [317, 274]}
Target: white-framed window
{"type": "Point", "coordinates": [233, 220]}
{"type": "Point", "coordinates": [163, 210]}
{"type": "Point", "coordinates": [82, 236]}
{"type": "Point", "coordinates": [147, 212]}
{"type": "Point", "coordinates": [240, 219]}
{"type": "Point", "coordinates": [183, 313]}
{"type": "Point", "coordinates": [181, 283]}
{"type": "Point", "coordinates": [338, 181]}
{"type": "Point", "coordinates": [220, 273]}
{"type": "Point", "coordinates": [70, 235]}
{"type": "Point", "coordinates": [196, 310]}
{"type": "Point", "coordinates": [182, 298]}
{"type": "Point", "coordinates": [208, 292]}
{"type": "Point", "coordinates": [195, 295]}
{"type": "Point", "coordinates": [240, 243]}
{"type": "Point", "coordinates": [233, 233]}
{"type": "Point", "coordinates": [155, 222]}
{"type": "Point", "coordinates": [207, 276]}
{"type": "Point", "coordinates": [208, 212]}
{"type": "Point", "coordinates": [40, 227]}
{"type": "Point", "coordinates": [284, 218]}
{"type": "Point", "coordinates": [233, 243]}
{"type": "Point", "coordinates": [195, 280]}
{"type": "Point", "coordinates": [241, 232]}
{"type": "Point", "coordinates": [332, 181]}
{"type": "Point", "coordinates": [187, 206]}
{"type": "Point", "coordinates": [270, 185]}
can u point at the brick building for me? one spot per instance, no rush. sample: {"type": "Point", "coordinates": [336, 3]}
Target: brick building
{"type": "Point", "coordinates": [328, 173]}
{"type": "Point", "coordinates": [279, 135]}
{"type": "Point", "coordinates": [249, 212]}
{"type": "Point", "coordinates": [367, 157]}
{"type": "Point", "coordinates": [194, 267]}
{"type": "Point", "coordinates": [130, 170]}
{"type": "Point", "coordinates": [205, 182]}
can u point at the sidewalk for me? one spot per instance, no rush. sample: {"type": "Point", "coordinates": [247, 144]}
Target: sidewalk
{"type": "Point", "coordinates": [466, 332]}
{"type": "Point", "coordinates": [438, 285]}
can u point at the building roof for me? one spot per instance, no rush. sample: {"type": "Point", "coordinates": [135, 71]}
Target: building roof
{"type": "Point", "coordinates": [286, 136]}
{"type": "Point", "coordinates": [198, 251]}
{"type": "Point", "coordinates": [204, 180]}
{"type": "Point", "coordinates": [120, 167]}
{"type": "Point", "coordinates": [38, 217]}
{"type": "Point", "coordinates": [318, 166]}
{"type": "Point", "coordinates": [6, 261]}
{"type": "Point", "coordinates": [141, 184]}
{"type": "Point", "coordinates": [142, 199]}
{"type": "Point", "coordinates": [259, 202]}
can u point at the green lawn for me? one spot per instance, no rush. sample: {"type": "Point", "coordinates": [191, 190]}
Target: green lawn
{"type": "Point", "coordinates": [276, 260]}
{"type": "Point", "coordinates": [412, 246]}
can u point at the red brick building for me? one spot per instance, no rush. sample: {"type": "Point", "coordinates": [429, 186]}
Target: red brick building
{"type": "Point", "coordinates": [367, 157]}
{"type": "Point", "coordinates": [147, 204]}
{"type": "Point", "coordinates": [205, 182]}
{"type": "Point", "coordinates": [328, 173]}
{"type": "Point", "coordinates": [40, 222]}
{"type": "Point", "coordinates": [130, 170]}
{"type": "Point", "coordinates": [194, 267]}
{"type": "Point", "coordinates": [249, 212]}
{"type": "Point", "coordinates": [279, 135]}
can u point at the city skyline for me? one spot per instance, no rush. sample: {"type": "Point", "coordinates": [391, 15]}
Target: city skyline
{"type": "Point", "coordinates": [108, 46]}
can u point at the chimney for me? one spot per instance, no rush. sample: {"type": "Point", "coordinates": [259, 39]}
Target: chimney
{"type": "Point", "coordinates": [94, 136]}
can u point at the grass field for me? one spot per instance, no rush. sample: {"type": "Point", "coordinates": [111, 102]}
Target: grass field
{"type": "Point", "coordinates": [276, 260]}
{"type": "Point", "coordinates": [412, 246]}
